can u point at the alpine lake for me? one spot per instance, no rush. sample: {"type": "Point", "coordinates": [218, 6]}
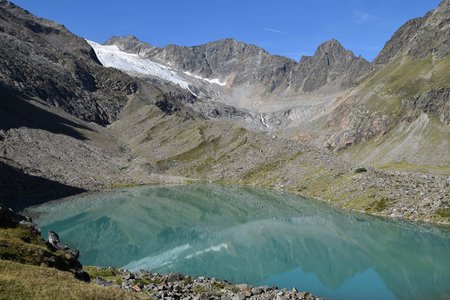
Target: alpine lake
{"type": "Point", "coordinates": [254, 236]}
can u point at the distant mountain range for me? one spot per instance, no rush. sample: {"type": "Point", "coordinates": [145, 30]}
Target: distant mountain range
{"type": "Point", "coordinates": [77, 115]}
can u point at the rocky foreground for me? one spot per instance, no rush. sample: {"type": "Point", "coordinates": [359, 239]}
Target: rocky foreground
{"type": "Point", "coordinates": [178, 286]}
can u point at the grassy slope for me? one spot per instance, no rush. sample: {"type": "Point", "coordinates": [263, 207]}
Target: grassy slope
{"type": "Point", "coordinates": [24, 276]}
{"type": "Point", "coordinates": [410, 141]}
{"type": "Point", "coordinates": [22, 281]}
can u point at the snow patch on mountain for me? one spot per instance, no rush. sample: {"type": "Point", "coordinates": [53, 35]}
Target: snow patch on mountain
{"type": "Point", "coordinates": [112, 56]}
{"type": "Point", "coordinates": [214, 80]}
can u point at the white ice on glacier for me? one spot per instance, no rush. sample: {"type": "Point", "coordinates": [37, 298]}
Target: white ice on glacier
{"type": "Point", "coordinates": [214, 80]}
{"type": "Point", "coordinates": [112, 56]}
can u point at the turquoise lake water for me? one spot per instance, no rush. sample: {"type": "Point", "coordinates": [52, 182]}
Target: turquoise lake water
{"type": "Point", "coordinates": [254, 236]}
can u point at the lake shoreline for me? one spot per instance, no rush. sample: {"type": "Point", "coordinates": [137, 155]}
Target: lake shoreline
{"type": "Point", "coordinates": [187, 182]}
{"type": "Point", "coordinates": [179, 286]}
{"type": "Point", "coordinates": [249, 234]}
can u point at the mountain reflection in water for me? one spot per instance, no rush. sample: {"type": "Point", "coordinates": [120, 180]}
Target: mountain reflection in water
{"type": "Point", "coordinates": [254, 236]}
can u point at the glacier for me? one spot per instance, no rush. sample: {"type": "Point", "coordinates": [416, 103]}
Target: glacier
{"type": "Point", "coordinates": [111, 56]}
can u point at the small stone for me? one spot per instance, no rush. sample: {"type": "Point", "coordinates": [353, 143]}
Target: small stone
{"type": "Point", "coordinates": [128, 276]}
{"type": "Point", "coordinates": [136, 288]}
{"type": "Point", "coordinates": [239, 296]}
{"type": "Point", "coordinates": [266, 288]}
{"type": "Point", "coordinates": [360, 170]}
{"type": "Point", "coordinates": [242, 286]}
{"type": "Point", "coordinates": [248, 293]}
{"type": "Point", "coordinates": [175, 277]}
{"type": "Point", "coordinates": [303, 295]}
{"type": "Point", "coordinates": [102, 282]}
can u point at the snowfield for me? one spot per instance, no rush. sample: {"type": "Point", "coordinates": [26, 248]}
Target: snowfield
{"type": "Point", "coordinates": [214, 80]}
{"type": "Point", "coordinates": [112, 56]}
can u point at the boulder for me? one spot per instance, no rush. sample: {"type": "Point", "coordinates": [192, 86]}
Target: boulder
{"type": "Point", "coordinates": [8, 218]}
{"type": "Point", "coordinates": [53, 238]}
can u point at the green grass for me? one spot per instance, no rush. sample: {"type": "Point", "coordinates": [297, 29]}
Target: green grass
{"type": "Point", "coordinates": [388, 92]}
{"type": "Point", "coordinates": [443, 212]}
{"type": "Point", "coordinates": [21, 281]}
{"type": "Point", "coordinates": [415, 168]}
{"type": "Point", "coordinates": [267, 174]}
{"type": "Point", "coordinates": [378, 205]}
{"type": "Point", "coordinates": [24, 274]}
{"type": "Point", "coordinates": [198, 289]}
{"type": "Point", "coordinates": [20, 245]}
{"type": "Point", "coordinates": [104, 273]}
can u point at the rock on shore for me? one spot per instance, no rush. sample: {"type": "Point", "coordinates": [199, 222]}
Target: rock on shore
{"type": "Point", "coordinates": [177, 286]}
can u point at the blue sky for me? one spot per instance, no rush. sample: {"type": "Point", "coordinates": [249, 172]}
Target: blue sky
{"type": "Point", "coordinates": [285, 27]}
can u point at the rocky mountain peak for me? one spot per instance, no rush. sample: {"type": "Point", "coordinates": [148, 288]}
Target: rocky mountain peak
{"type": "Point", "coordinates": [234, 45]}
{"type": "Point", "coordinates": [331, 46]}
{"type": "Point", "coordinates": [331, 63]}
{"type": "Point", "coordinates": [130, 43]}
{"type": "Point", "coordinates": [420, 37]}
{"type": "Point", "coordinates": [122, 39]}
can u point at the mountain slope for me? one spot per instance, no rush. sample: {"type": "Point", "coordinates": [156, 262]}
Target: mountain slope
{"type": "Point", "coordinates": [42, 58]}
{"type": "Point", "coordinates": [54, 94]}
{"type": "Point", "coordinates": [398, 116]}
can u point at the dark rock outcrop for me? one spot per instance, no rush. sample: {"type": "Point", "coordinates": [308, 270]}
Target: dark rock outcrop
{"type": "Point", "coordinates": [8, 218]}
{"type": "Point", "coordinates": [434, 102]}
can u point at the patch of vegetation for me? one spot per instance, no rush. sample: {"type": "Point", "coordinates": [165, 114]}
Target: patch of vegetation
{"type": "Point", "coordinates": [378, 205]}
{"type": "Point", "coordinates": [415, 168]}
{"type": "Point", "coordinates": [21, 281]}
{"type": "Point", "coordinates": [218, 285]}
{"type": "Point", "coordinates": [267, 174]}
{"type": "Point", "coordinates": [188, 280]}
{"type": "Point", "coordinates": [198, 289]}
{"type": "Point", "coordinates": [104, 273]}
{"type": "Point", "coordinates": [142, 281]}
{"type": "Point", "coordinates": [130, 185]}
{"type": "Point", "coordinates": [443, 212]}
{"type": "Point", "coordinates": [21, 245]}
